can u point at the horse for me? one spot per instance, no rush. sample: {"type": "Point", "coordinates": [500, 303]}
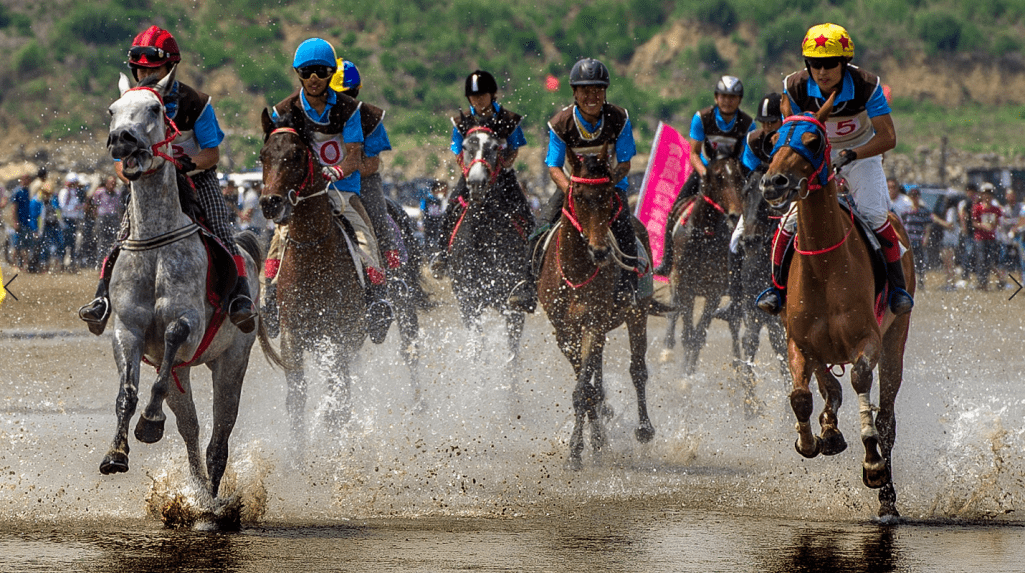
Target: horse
{"type": "Point", "coordinates": [488, 248]}
{"type": "Point", "coordinates": [701, 240]}
{"type": "Point", "coordinates": [577, 289]}
{"type": "Point", "coordinates": [158, 291]}
{"type": "Point", "coordinates": [831, 313]}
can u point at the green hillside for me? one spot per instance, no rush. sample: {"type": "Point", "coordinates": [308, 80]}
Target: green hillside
{"type": "Point", "coordinates": [60, 59]}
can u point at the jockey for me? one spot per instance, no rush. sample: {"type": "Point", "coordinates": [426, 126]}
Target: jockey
{"type": "Point", "coordinates": [335, 130]}
{"type": "Point", "coordinates": [582, 129]}
{"type": "Point", "coordinates": [860, 130]}
{"type": "Point", "coordinates": [716, 128]}
{"type": "Point", "coordinates": [154, 52]}
{"type": "Point", "coordinates": [481, 91]}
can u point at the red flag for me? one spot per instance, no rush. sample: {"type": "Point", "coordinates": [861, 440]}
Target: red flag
{"type": "Point", "coordinates": [552, 83]}
{"type": "Point", "coordinates": [668, 168]}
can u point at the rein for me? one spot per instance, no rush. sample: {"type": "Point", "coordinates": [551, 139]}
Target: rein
{"type": "Point", "coordinates": [492, 171]}
{"type": "Point", "coordinates": [571, 213]}
{"type": "Point", "coordinates": [797, 248]}
{"type": "Point", "coordinates": [293, 194]}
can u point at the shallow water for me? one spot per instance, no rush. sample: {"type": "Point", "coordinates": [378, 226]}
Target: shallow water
{"type": "Point", "coordinates": [477, 479]}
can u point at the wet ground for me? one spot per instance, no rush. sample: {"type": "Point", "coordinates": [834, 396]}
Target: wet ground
{"type": "Point", "coordinates": [476, 480]}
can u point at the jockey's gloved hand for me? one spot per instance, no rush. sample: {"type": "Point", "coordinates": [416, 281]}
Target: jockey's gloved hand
{"type": "Point", "coordinates": [185, 163]}
{"type": "Point", "coordinates": [844, 157]}
{"type": "Point", "coordinates": [332, 173]}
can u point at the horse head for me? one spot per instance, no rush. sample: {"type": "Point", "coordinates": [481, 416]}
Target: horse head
{"type": "Point", "coordinates": [800, 157]}
{"type": "Point", "coordinates": [138, 127]}
{"type": "Point", "coordinates": [288, 166]}
{"type": "Point", "coordinates": [479, 161]}
{"type": "Point", "coordinates": [591, 201]}
{"type": "Point", "coordinates": [722, 186]}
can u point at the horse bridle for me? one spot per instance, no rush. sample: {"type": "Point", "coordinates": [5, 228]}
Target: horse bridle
{"type": "Point", "coordinates": [789, 135]}
{"type": "Point", "coordinates": [170, 127]}
{"type": "Point", "coordinates": [492, 169]}
{"type": "Point", "coordinates": [293, 194]}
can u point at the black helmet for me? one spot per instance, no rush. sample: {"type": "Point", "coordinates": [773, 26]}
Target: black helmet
{"type": "Point", "coordinates": [769, 110]}
{"type": "Point", "coordinates": [480, 82]}
{"type": "Point", "coordinates": [589, 72]}
{"type": "Point", "coordinates": [730, 85]}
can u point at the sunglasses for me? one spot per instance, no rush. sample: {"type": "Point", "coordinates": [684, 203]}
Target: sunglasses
{"type": "Point", "coordinates": [149, 52]}
{"type": "Point", "coordinates": [823, 63]}
{"type": "Point", "coordinates": [322, 72]}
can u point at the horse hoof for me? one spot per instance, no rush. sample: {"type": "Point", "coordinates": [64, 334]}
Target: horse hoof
{"type": "Point", "coordinates": [644, 434]}
{"type": "Point", "coordinates": [813, 453]}
{"type": "Point", "coordinates": [832, 445]}
{"type": "Point", "coordinates": [149, 431]}
{"type": "Point", "coordinates": [876, 477]}
{"type": "Point", "coordinates": [574, 463]}
{"type": "Point", "coordinates": [114, 463]}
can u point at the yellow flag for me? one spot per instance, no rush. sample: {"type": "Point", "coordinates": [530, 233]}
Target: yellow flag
{"type": "Point", "coordinates": [3, 291]}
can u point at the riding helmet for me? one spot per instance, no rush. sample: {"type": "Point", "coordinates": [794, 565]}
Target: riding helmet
{"type": "Point", "coordinates": [730, 85]}
{"type": "Point", "coordinates": [165, 49]}
{"type": "Point", "coordinates": [827, 41]}
{"type": "Point", "coordinates": [314, 52]}
{"type": "Point", "coordinates": [481, 82]}
{"type": "Point", "coordinates": [346, 79]}
{"type": "Point", "coordinates": [768, 109]}
{"type": "Point", "coordinates": [589, 72]}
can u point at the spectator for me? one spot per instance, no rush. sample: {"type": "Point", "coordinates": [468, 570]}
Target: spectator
{"type": "Point", "coordinates": [917, 221]}
{"type": "Point", "coordinates": [431, 210]}
{"type": "Point", "coordinates": [949, 242]}
{"type": "Point", "coordinates": [51, 229]}
{"type": "Point", "coordinates": [251, 216]}
{"type": "Point", "coordinates": [106, 203]}
{"type": "Point", "coordinates": [899, 202]}
{"type": "Point", "coordinates": [966, 246]}
{"type": "Point", "coordinates": [24, 226]}
{"type": "Point", "coordinates": [71, 202]}
{"type": "Point", "coordinates": [231, 200]}
{"type": "Point", "coordinates": [1010, 256]}
{"type": "Point", "coordinates": [986, 215]}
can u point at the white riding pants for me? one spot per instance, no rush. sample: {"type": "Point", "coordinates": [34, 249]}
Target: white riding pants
{"type": "Point", "coordinates": [867, 182]}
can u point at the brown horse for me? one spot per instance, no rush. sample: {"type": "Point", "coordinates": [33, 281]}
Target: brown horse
{"type": "Point", "coordinates": [320, 296]}
{"type": "Point", "coordinates": [577, 288]}
{"type": "Point", "coordinates": [701, 242]}
{"type": "Point", "coordinates": [830, 306]}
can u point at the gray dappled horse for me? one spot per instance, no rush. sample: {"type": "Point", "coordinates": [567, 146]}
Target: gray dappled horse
{"type": "Point", "coordinates": [158, 291]}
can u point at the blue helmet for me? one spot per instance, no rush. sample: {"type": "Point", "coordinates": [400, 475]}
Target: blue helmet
{"type": "Point", "coordinates": [314, 52]}
{"type": "Point", "coordinates": [346, 79]}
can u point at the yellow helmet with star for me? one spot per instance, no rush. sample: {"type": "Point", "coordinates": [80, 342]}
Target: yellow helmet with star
{"type": "Point", "coordinates": [827, 41]}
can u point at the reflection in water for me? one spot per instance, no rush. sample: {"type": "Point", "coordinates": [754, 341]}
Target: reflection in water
{"type": "Point", "coordinates": [868, 549]}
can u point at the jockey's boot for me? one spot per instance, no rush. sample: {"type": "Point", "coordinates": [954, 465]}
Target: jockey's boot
{"type": "Point", "coordinates": [379, 310]}
{"type": "Point", "coordinates": [734, 288]}
{"type": "Point", "coordinates": [623, 231]}
{"type": "Point", "coordinates": [96, 313]}
{"type": "Point", "coordinates": [900, 300]}
{"type": "Point", "coordinates": [772, 299]}
{"type": "Point", "coordinates": [269, 310]}
{"type": "Point", "coordinates": [666, 266]}
{"type": "Point", "coordinates": [241, 310]}
{"type": "Point", "coordinates": [523, 296]}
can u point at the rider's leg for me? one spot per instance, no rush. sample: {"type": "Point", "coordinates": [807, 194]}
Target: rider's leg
{"type": "Point", "coordinates": [241, 310]}
{"type": "Point", "coordinates": [379, 311]}
{"type": "Point", "coordinates": [771, 299]}
{"type": "Point", "coordinates": [372, 198]}
{"type": "Point", "coordinates": [623, 231]}
{"type": "Point", "coordinates": [449, 220]}
{"type": "Point", "coordinates": [269, 310]}
{"type": "Point", "coordinates": [900, 300]}
{"type": "Point", "coordinates": [689, 189]}
{"type": "Point", "coordinates": [97, 311]}
{"type": "Point", "coordinates": [523, 296]}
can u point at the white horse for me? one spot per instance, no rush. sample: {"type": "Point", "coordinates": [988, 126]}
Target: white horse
{"type": "Point", "coordinates": [158, 292]}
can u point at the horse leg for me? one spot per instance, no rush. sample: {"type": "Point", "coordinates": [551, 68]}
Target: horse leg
{"type": "Point", "coordinates": [409, 330]}
{"type": "Point", "coordinates": [570, 344]}
{"type": "Point", "coordinates": [700, 332]}
{"type": "Point", "coordinates": [687, 331]}
{"type": "Point", "coordinates": [128, 355]}
{"type": "Point", "coordinates": [227, 373]}
{"type": "Point", "coordinates": [670, 338]}
{"type": "Point", "coordinates": [637, 326]}
{"type": "Point", "coordinates": [295, 397]}
{"type": "Point", "coordinates": [184, 408]}
{"type": "Point", "coordinates": [874, 468]}
{"type": "Point", "coordinates": [891, 374]}
{"type": "Point", "coordinates": [598, 411]}
{"type": "Point", "coordinates": [514, 329]}
{"type": "Point", "coordinates": [801, 402]}
{"type": "Point", "coordinates": [150, 428]}
{"type": "Point", "coordinates": [339, 400]}
{"type": "Point", "coordinates": [586, 401]}
{"type": "Point", "coordinates": [832, 441]}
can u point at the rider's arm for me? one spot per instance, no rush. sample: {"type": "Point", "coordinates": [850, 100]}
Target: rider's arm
{"type": "Point", "coordinates": [206, 158]}
{"type": "Point", "coordinates": [884, 139]}
{"type": "Point", "coordinates": [696, 139]}
{"type": "Point", "coordinates": [353, 158]}
{"type": "Point", "coordinates": [559, 177]}
{"type": "Point", "coordinates": [555, 159]}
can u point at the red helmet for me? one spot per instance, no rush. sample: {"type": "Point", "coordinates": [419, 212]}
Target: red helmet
{"type": "Point", "coordinates": [153, 48]}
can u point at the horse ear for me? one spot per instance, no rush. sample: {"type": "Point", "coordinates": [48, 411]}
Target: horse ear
{"type": "Point", "coordinates": [827, 107]}
{"type": "Point", "coordinates": [267, 122]}
{"type": "Point", "coordinates": [123, 84]}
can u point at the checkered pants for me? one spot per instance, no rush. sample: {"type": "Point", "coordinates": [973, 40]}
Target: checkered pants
{"type": "Point", "coordinates": [208, 195]}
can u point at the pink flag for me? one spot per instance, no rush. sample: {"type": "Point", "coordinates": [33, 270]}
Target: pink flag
{"type": "Point", "coordinates": [668, 168]}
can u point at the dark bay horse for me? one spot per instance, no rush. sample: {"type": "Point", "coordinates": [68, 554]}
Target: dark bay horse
{"type": "Point", "coordinates": [701, 242]}
{"type": "Point", "coordinates": [577, 288]}
{"type": "Point", "coordinates": [831, 313]}
{"type": "Point", "coordinates": [488, 248]}
{"type": "Point", "coordinates": [320, 289]}
{"type": "Point", "coordinates": [162, 310]}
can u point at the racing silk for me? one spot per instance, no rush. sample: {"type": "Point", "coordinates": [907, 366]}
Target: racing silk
{"type": "Point", "coordinates": [569, 132]}
{"type": "Point", "coordinates": [329, 131]}
{"type": "Point", "coordinates": [504, 123]}
{"type": "Point", "coordinates": [375, 137]}
{"type": "Point", "coordinates": [194, 115]}
{"type": "Point", "coordinates": [709, 127]}
{"type": "Point", "coordinates": [860, 99]}
{"type": "Point", "coordinates": [757, 149]}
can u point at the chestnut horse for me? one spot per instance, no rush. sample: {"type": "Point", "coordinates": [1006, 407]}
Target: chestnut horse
{"type": "Point", "coordinates": [701, 242]}
{"type": "Point", "coordinates": [829, 312]}
{"type": "Point", "coordinates": [577, 288]}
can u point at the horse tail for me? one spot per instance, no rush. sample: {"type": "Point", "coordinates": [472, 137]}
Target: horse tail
{"type": "Point", "coordinates": [250, 243]}
{"type": "Point", "coordinates": [414, 248]}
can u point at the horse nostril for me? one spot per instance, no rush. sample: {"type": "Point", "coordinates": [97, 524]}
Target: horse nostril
{"type": "Point", "coordinates": [780, 181]}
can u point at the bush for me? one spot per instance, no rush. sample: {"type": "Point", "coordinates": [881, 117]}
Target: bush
{"type": "Point", "coordinates": [941, 31]}
{"type": "Point", "coordinates": [95, 24]}
{"type": "Point", "coordinates": [720, 13]}
{"type": "Point", "coordinates": [30, 58]}
{"type": "Point", "coordinates": [709, 56]}
{"type": "Point", "coordinates": [783, 37]}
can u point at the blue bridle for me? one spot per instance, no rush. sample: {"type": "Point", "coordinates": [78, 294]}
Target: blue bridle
{"type": "Point", "coordinates": [790, 136]}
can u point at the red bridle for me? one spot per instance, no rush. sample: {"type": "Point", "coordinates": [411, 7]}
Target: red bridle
{"type": "Point", "coordinates": [492, 171]}
{"type": "Point", "coordinates": [171, 128]}
{"type": "Point", "coordinates": [571, 213]}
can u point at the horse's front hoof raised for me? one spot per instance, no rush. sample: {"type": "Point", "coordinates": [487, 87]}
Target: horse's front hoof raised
{"type": "Point", "coordinates": [832, 444]}
{"type": "Point", "coordinates": [875, 476]}
{"type": "Point", "coordinates": [644, 434]}
{"type": "Point", "coordinates": [149, 431]}
{"type": "Point", "coordinates": [114, 463]}
{"type": "Point", "coordinates": [816, 445]}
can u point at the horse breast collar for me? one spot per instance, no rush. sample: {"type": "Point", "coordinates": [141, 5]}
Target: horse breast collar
{"type": "Point", "coordinates": [790, 136]}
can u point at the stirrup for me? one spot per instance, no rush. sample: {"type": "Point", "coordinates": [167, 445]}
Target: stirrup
{"type": "Point", "coordinates": [900, 301]}
{"type": "Point", "coordinates": [88, 313]}
{"type": "Point", "coordinates": [520, 298]}
{"type": "Point", "coordinates": [242, 313]}
{"type": "Point", "coordinates": [770, 300]}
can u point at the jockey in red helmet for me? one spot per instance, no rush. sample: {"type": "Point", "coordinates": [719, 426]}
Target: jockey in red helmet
{"type": "Point", "coordinates": [154, 53]}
